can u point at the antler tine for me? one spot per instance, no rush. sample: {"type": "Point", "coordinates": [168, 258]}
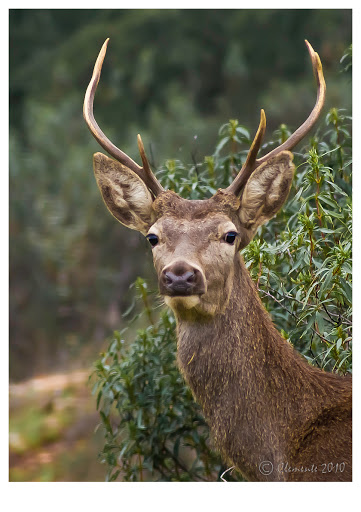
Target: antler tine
{"type": "Point", "coordinates": [302, 131]}
{"type": "Point", "coordinates": [156, 187]}
{"type": "Point", "coordinates": [248, 167]}
{"type": "Point", "coordinates": [147, 176]}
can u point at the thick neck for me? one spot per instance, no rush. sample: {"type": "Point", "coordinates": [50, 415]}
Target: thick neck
{"type": "Point", "coordinates": [240, 338]}
{"type": "Point", "coordinates": [254, 388]}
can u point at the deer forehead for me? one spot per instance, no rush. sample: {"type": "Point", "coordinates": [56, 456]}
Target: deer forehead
{"type": "Point", "coordinates": [175, 230]}
{"type": "Point", "coordinates": [181, 218]}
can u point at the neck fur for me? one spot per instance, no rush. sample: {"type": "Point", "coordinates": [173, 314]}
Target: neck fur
{"type": "Point", "coordinates": [254, 388]}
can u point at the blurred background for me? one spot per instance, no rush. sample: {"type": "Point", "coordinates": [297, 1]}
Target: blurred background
{"type": "Point", "coordinates": [175, 76]}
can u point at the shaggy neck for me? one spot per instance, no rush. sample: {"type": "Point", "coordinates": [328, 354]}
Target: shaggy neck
{"type": "Point", "coordinates": [254, 389]}
{"type": "Point", "coordinates": [240, 339]}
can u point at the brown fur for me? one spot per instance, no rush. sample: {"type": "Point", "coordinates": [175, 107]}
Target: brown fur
{"type": "Point", "coordinates": [263, 402]}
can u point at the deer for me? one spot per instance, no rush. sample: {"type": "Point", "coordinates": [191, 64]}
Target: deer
{"type": "Point", "coordinates": [272, 415]}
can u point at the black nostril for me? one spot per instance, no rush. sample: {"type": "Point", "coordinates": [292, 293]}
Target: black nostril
{"type": "Point", "coordinates": [189, 277]}
{"type": "Point", "coordinates": [169, 277]}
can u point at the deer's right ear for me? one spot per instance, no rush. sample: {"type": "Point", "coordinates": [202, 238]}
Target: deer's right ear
{"type": "Point", "coordinates": [124, 193]}
{"type": "Point", "coordinates": [266, 191]}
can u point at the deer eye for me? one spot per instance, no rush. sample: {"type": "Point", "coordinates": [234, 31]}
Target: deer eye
{"type": "Point", "coordinates": [230, 237]}
{"type": "Point", "coordinates": [152, 239]}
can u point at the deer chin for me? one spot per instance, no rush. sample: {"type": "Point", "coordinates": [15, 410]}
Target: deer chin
{"type": "Point", "coordinates": [190, 307]}
{"type": "Point", "coordinates": [179, 302]}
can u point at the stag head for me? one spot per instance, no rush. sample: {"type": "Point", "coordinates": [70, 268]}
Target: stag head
{"type": "Point", "coordinates": [196, 243]}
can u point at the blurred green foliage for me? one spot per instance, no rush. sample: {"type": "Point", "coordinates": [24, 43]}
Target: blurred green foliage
{"type": "Point", "coordinates": [173, 75]}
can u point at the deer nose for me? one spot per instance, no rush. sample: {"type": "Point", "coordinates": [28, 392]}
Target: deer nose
{"type": "Point", "coordinates": [181, 279]}
{"type": "Point", "coordinates": [180, 283]}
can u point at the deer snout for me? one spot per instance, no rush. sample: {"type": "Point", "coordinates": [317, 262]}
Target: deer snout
{"type": "Point", "coordinates": [181, 279]}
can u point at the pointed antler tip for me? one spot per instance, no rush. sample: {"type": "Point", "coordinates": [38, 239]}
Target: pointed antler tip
{"type": "Point", "coordinates": [140, 142]}
{"type": "Point", "coordinates": [104, 47]}
{"type": "Point", "coordinates": [311, 51]}
{"type": "Point", "coordinates": [316, 61]}
{"type": "Point", "coordinates": [142, 151]}
{"type": "Point", "coordinates": [149, 179]}
{"type": "Point", "coordinates": [262, 123]}
{"type": "Point", "coordinates": [105, 44]}
{"type": "Point", "coordinates": [99, 62]}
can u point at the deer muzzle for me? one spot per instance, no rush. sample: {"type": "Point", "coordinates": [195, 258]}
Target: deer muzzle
{"type": "Point", "coordinates": [182, 279]}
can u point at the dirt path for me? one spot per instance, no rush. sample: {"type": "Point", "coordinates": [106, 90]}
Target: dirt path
{"type": "Point", "coordinates": [52, 423]}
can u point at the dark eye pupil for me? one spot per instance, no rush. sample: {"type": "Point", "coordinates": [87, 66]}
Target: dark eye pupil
{"type": "Point", "coordinates": [230, 237]}
{"type": "Point", "coordinates": [153, 240]}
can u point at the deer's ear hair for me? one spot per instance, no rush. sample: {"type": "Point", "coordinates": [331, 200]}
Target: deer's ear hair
{"type": "Point", "coordinates": [266, 191]}
{"type": "Point", "coordinates": [124, 193]}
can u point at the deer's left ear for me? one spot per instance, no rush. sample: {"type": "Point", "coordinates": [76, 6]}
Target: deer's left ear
{"type": "Point", "coordinates": [266, 191]}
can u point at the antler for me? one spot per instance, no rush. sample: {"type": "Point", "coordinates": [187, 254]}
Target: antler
{"type": "Point", "coordinates": [145, 173]}
{"type": "Point", "coordinates": [252, 162]}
